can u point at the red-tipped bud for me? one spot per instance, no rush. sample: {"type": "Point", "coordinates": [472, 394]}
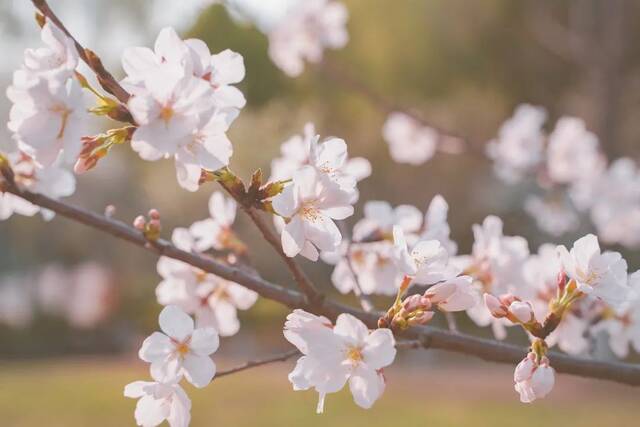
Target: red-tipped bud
{"type": "Point", "coordinates": [523, 311]}
{"type": "Point", "coordinates": [494, 305]}
{"type": "Point", "coordinates": [561, 280]}
{"type": "Point", "coordinates": [154, 214]}
{"type": "Point", "coordinates": [421, 319]}
{"type": "Point", "coordinates": [412, 303]}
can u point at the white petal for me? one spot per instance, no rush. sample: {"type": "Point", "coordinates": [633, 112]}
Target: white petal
{"type": "Point", "coordinates": [379, 350]}
{"type": "Point", "coordinates": [204, 341]}
{"type": "Point", "coordinates": [366, 387]}
{"type": "Point", "coordinates": [176, 323]}
{"type": "Point", "coordinates": [199, 370]}
{"type": "Point", "coordinates": [351, 328]}
{"type": "Point", "coordinates": [156, 347]}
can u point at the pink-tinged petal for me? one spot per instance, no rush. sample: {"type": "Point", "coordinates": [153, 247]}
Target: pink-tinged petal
{"type": "Point", "coordinates": [200, 56]}
{"type": "Point", "coordinates": [322, 232]}
{"type": "Point", "coordinates": [138, 62]}
{"type": "Point", "coordinates": [180, 413]}
{"type": "Point", "coordinates": [542, 381]}
{"type": "Point", "coordinates": [293, 237]}
{"type": "Point", "coordinates": [351, 328]}
{"type": "Point", "coordinates": [241, 297]}
{"type": "Point", "coordinates": [176, 323]}
{"type": "Point", "coordinates": [226, 318]}
{"type": "Point", "coordinates": [136, 389]}
{"type": "Point", "coordinates": [379, 349]}
{"type": "Point", "coordinates": [305, 181]}
{"type": "Point", "coordinates": [198, 370]}
{"type": "Point", "coordinates": [358, 167]}
{"type": "Point", "coordinates": [182, 238]}
{"type": "Point", "coordinates": [299, 377]}
{"type": "Point", "coordinates": [338, 212]}
{"type": "Point", "coordinates": [228, 67]}
{"type": "Point", "coordinates": [229, 96]}
{"type": "Point", "coordinates": [167, 370]}
{"type": "Point", "coordinates": [188, 172]}
{"type": "Point", "coordinates": [524, 370]}
{"type": "Point", "coordinates": [170, 47]}
{"type": "Point", "coordinates": [151, 412]}
{"type": "Point", "coordinates": [366, 386]}
{"type": "Point", "coordinates": [440, 292]}
{"type": "Point", "coordinates": [310, 252]}
{"type": "Point", "coordinates": [204, 341]}
{"type": "Point", "coordinates": [286, 203]}
{"type": "Point", "coordinates": [156, 347]}
{"type": "Point", "coordinates": [408, 217]}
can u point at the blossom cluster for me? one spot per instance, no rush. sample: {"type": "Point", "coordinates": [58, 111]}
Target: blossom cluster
{"type": "Point", "coordinates": [47, 119]}
{"type": "Point", "coordinates": [322, 188]}
{"type": "Point", "coordinates": [183, 102]}
{"type": "Point", "coordinates": [573, 173]}
{"type": "Point", "coordinates": [84, 296]}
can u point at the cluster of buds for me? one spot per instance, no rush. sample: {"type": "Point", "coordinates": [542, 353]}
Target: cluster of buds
{"type": "Point", "coordinates": [417, 309]}
{"type": "Point", "coordinates": [96, 147]}
{"type": "Point", "coordinates": [510, 307]}
{"type": "Point", "coordinates": [534, 378]}
{"type": "Point", "coordinates": [151, 228]}
{"type": "Point", "coordinates": [256, 195]}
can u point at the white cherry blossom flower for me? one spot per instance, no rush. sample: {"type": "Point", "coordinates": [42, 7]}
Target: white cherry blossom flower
{"type": "Point", "coordinates": [519, 146]}
{"type": "Point", "coordinates": [303, 34]}
{"type": "Point", "coordinates": [572, 152]}
{"type": "Point", "coordinates": [436, 226]}
{"type": "Point", "coordinates": [541, 272]}
{"type": "Point", "coordinates": [409, 141]}
{"type": "Point", "coordinates": [555, 217]}
{"type": "Point", "coordinates": [334, 356]}
{"type": "Point", "coordinates": [427, 263]}
{"type": "Point", "coordinates": [180, 349]}
{"type": "Point", "coordinates": [623, 325]}
{"type": "Point", "coordinates": [456, 294]}
{"type": "Point", "coordinates": [380, 218]}
{"type": "Point", "coordinates": [533, 380]}
{"type": "Point", "coordinates": [602, 275]}
{"type": "Point", "coordinates": [47, 121]}
{"type": "Point", "coordinates": [495, 264]}
{"type": "Point", "coordinates": [191, 58]}
{"type": "Point", "coordinates": [213, 232]}
{"type": "Point", "coordinates": [329, 158]}
{"type": "Point", "coordinates": [159, 402]}
{"type": "Point", "coordinates": [311, 206]}
{"type": "Point", "coordinates": [57, 60]}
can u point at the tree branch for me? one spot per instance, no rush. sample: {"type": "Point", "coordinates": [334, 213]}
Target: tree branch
{"type": "Point", "coordinates": [431, 337]}
{"type": "Point", "coordinates": [260, 362]}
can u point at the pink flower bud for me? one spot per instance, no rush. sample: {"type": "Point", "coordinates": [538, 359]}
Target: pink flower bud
{"type": "Point", "coordinates": [154, 214]}
{"type": "Point", "coordinates": [84, 164]}
{"type": "Point", "coordinates": [110, 211]}
{"type": "Point", "coordinates": [507, 299]}
{"type": "Point", "coordinates": [154, 225]}
{"type": "Point", "coordinates": [421, 319]}
{"type": "Point", "coordinates": [522, 311]}
{"type": "Point", "coordinates": [494, 305]}
{"type": "Point", "coordinates": [440, 292]}
{"type": "Point", "coordinates": [140, 222]}
{"type": "Point", "coordinates": [412, 303]}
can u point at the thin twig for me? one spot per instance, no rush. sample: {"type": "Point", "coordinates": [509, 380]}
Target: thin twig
{"type": "Point", "coordinates": [260, 362]}
{"type": "Point", "coordinates": [491, 350]}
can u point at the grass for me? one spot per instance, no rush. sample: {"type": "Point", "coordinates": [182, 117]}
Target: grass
{"type": "Point", "coordinates": [88, 392]}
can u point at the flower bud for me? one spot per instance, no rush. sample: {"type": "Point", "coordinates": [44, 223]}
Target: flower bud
{"type": "Point", "coordinates": [507, 299]}
{"type": "Point", "coordinates": [412, 303]}
{"type": "Point", "coordinates": [84, 164]}
{"type": "Point", "coordinates": [421, 319]}
{"type": "Point", "coordinates": [522, 311]}
{"type": "Point", "coordinates": [154, 214]}
{"type": "Point", "coordinates": [139, 223]}
{"type": "Point", "coordinates": [440, 292]}
{"type": "Point", "coordinates": [494, 305]}
{"type": "Point", "coordinates": [109, 211]}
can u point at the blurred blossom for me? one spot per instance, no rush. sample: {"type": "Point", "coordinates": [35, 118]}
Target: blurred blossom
{"type": "Point", "coordinates": [16, 309]}
{"type": "Point", "coordinates": [518, 149]}
{"type": "Point", "coordinates": [84, 296]}
{"type": "Point", "coordinates": [409, 141]}
{"type": "Point", "coordinates": [553, 216]}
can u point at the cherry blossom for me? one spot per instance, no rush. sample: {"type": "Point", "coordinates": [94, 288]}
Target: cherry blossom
{"type": "Point", "coordinates": [572, 152]}
{"type": "Point", "coordinates": [47, 121]}
{"type": "Point", "coordinates": [541, 272]}
{"type": "Point", "coordinates": [456, 294]}
{"type": "Point", "coordinates": [310, 207]}
{"type": "Point", "coordinates": [329, 158]}
{"type": "Point", "coordinates": [409, 141]}
{"type": "Point", "coordinates": [495, 264]}
{"type": "Point", "coordinates": [302, 35]}
{"type": "Point", "coordinates": [180, 349]}
{"type": "Point", "coordinates": [534, 380]}
{"type": "Point", "coordinates": [436, 226]}
{"type": "Point", "coordinates": [380, 218]}
{"type": "Point", "coordinates": [215, 232]}
{"type": "Point", "coordinates": [553, 216]}
{"type": "Point", "coordinates": [52, 181]}
{"type": "Point", "coordinates": [623, 324]}
{"type": "Point", "coordinates": [333, 356]}
{"type": "Point", "coordinates": [427, 263]}
{"type": "Point", "coordinates": [159, 402]}
{"type": "Point", "coordinates": [518, 149]}
{"type": "Point", "coordinates": [603, 275]}
{"type": "Point", "coordinates": [56, 61]}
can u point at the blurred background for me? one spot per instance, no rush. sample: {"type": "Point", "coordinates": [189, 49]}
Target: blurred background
{"type": "Point", "coordinates": [464, 65]}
